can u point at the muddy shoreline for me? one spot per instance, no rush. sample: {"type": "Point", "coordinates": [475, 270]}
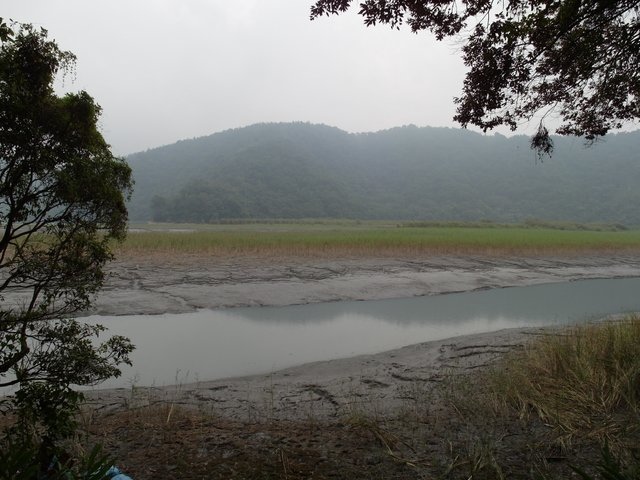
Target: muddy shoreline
{"type": "Point", "coordinates": [148, 285]}
{"type": "Point", "coordinates": [335, 388]}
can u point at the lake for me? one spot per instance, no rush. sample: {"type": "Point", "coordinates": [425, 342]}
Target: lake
{"type": "Point", "coordinates": [213, 344]}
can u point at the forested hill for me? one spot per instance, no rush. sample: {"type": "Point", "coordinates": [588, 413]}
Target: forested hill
{"type": "Point", "coordinates": [299, 170]}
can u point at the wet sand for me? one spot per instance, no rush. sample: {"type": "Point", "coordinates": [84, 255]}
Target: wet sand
{"type": "Point", "coordinates": [331, 389]}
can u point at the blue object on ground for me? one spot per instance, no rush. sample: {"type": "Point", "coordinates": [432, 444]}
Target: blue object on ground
{"type": "Point", "coordinates": [114, 473]}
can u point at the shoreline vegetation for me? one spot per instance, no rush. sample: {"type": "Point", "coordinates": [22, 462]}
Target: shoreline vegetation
{"type": "Point", "coordinates": [326, 238]}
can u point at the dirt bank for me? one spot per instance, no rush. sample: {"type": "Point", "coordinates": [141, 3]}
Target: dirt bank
{"type": "Point", "coordinates": [151, 284]}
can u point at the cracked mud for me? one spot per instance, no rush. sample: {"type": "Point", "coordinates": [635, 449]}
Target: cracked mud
{"type": "Point", "coordinates": [152, 285]}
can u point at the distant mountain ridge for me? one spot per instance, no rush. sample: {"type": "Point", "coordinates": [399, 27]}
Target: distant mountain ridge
{"type": "Point", "coordinates": [301, 170]}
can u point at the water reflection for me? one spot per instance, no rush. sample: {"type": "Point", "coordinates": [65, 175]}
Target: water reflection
{"type": "Point", "coordinates": [562, 301]}
{"type": "Point", "coordinates": [211, 344]}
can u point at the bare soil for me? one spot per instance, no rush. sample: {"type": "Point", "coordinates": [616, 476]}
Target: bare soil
{"type": "Point", "coordinates": [160, 283]}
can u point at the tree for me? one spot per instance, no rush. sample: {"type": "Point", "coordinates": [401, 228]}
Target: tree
{"type": "Point", "coordinates": [62, 204]}
{"type": "Point", "coordinates": [577, 59]}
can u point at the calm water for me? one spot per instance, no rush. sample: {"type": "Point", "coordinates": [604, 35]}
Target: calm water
{"type": "Point", "coordinates": [212, 344]}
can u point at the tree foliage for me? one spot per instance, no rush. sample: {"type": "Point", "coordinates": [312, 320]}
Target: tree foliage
{"type": "Point", "coordinates": [294, 171]}
{"type": "Point", "coordinates": [577, 59]}
{"type": "Point", "coordinates": [62, 202]}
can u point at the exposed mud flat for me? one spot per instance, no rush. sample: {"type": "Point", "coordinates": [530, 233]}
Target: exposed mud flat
{"type": "Point", "coordinates": [330, 389]}
{"type": "Point", "coordinates": [153, 284]}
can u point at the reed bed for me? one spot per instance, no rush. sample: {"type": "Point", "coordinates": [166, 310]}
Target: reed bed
{"type": "Point", "coordinates": [294, 240]}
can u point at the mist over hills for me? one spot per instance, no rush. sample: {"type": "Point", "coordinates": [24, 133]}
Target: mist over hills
{"type": "Point", "coordinates": [300, 170]}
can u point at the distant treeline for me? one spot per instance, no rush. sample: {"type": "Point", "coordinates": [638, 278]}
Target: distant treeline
{"type": "Point", "coordinates": [299, 170]}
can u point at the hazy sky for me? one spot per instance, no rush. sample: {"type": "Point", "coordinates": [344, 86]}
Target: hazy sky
{"type": "Point", "coordinates": [165, 70]}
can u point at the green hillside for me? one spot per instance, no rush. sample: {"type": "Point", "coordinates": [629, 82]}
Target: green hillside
{"type": "Point", "coordinates": [299, 170]}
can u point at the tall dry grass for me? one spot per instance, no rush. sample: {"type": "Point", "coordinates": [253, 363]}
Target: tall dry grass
{"type": "Point", "coordinates": [584, 382]}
